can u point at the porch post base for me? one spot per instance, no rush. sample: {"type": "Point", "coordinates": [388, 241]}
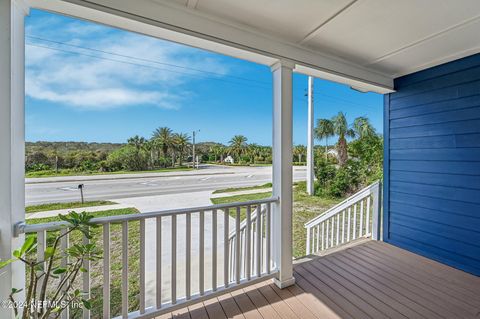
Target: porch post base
{"type": "Point", "coordinates": [284, 283]}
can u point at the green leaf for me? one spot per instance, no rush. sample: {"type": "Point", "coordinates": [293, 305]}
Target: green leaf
{"type": "Point", "coordinates": [87, 304]}
{"type": "Point", "coordinates": [3, 264]}
{"type": "Point", "coordinates": [49, 251]}
{"type": "Point", "coordinates": [27, 245]}
{"type": "Point", "coordinates": [59, 271]}
{"type": "Point", "coordinates": [16, 291]}
{"type": "Point", "coordinates": [83, 269]}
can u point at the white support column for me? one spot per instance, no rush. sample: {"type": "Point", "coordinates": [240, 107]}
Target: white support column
{"type": "Point", "coordinates": [12, 142]}
{"type": "Point", "coordinates": [282, 172]}
{"type": "Point", "coordinates": [310, 163]}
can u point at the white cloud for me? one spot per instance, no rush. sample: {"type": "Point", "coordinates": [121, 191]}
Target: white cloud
{"type": "Point", "coordinates": [85, 82]}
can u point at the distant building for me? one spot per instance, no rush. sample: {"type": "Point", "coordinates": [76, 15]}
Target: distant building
{"type": "Point", "coordinates": [229, 159]}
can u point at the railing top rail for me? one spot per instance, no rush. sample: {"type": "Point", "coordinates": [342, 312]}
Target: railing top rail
{"type": "Point", "coordinates": [25, 228]}
{"type": "Point", "coordinates": [342, 205]}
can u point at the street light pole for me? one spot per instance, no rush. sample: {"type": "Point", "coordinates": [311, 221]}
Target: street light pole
{"type": "Point", "coordinates": [310, 160]}
{"type": "Point", "coordinates": [193, 150]}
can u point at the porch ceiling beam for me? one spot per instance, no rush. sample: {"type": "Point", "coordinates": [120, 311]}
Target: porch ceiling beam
{"type": "Point", "coordinates": [187, 26]}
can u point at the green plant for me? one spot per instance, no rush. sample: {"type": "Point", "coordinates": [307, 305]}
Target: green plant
{"type": "Point", "coordinates": [50, 287]}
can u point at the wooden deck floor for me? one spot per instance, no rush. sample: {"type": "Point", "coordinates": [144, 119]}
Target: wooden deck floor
{"type": "Point", "coordinates": [371, 280]}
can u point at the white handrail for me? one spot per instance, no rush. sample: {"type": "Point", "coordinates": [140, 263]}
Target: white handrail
{"type": "Point", "coordinates": [253, 256]}
{"type": "Point", "coordinates": [355, 217]}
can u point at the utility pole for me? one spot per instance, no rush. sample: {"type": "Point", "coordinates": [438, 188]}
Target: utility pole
{"type": "Point", "coordinates": [194, 159]}
{"type": "Point", "coordinates": [193, 150]}
{"type": "Point", "coordinates": [310, 145]}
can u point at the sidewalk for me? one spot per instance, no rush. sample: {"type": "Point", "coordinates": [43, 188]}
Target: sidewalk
{"type": "Point", "coordinates": [245, 192]}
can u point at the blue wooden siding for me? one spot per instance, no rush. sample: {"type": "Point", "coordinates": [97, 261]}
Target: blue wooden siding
{"type": "Point", "coordinates": [432, 164]}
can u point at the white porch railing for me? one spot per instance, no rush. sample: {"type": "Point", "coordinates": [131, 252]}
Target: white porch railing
{"type": "Point", "coordinates": [355, 217]}
{"type": "Point", "coordinates": [253, 234]}
{"type": "Point", "coordinates": [257, 225]}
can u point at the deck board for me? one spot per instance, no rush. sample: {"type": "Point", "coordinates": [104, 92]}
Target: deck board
{"type": "Point", "coordinates": [370, 280]}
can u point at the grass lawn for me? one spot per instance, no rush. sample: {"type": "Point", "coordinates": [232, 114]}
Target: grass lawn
{"type": "Point", "coordinates": [305, 207]}
{"type": "Point", "coordinates": [96, 270]}
{"type": "Point", "coordinates": [55, 206]}
{"type": "Point", "coordinates": [235, 189]}
{"type": "Point", "coordinates": [68, 172]}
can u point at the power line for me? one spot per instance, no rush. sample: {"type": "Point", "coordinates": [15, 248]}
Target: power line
{"type": "Point", "coordinates": [144, 60]}
{"type": "Point", "coordinates": [168, 64]}
{"type": "Point", "coordinates": [145, 66]}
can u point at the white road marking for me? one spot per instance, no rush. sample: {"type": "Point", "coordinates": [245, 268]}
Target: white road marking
{"type": "Point", "coordinates": [69, 188]}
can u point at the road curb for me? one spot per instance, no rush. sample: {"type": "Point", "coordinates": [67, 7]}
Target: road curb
{"type": "Point", "coordinates": [82, 179]}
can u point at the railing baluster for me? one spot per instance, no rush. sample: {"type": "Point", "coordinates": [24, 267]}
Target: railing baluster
{"type": "Point", "coordinates": [188, 254]}
{"type": "Point", "coordinates": [323, 235]}
{"type": "Point", "coordinates": [125, 269]}
{"type": "Point", "coordinates": [202, 252]}
{"type": "Point", "coordinates": [86, 280]}
{"type": "Point", "coordinates": [367, 218]}
{"type": "Point", "coordinates": [158, 262]}
{"type": "Point", "coordinates": [64, 263]}
{"type": "Point", "coordinates": [349, 218]}
{"type": "Point", "coordinates": [354, 222]}
{"type": "Point", "coordinates": [226, 245]}
{"type": "Point", "coordinates": [248, 252]}
{"type": "Point", "coordinates": [106, 271]}
{"type": "Point", "coordinates": [332, 231]}
{"type": "Point", "coordinates": [343, 226]}
{"type": "Point", "coordinates": [338, 230]}
{"type": "Point", "coordinates": [238, 246]}
{"type": "Point", "coordinates": [41, 245]}
{"type": "Point", "coordinates": [327, 228]}
{"type": "Point", "coordinates": [214, 250]}
{"type": "Point", "coordinates": [258, 234]}
{"type": "Point", "coordinates": [268, 223]}
{"type": "Point", "coordinates": [142, 266]}
{"type": "Point", "coordinates": [309, 240]}
{"type": "Point", "coordinates": [361, 219]}
{"type": "Point", "coordinates": [318, 239]}
{"type": "Point", "coordinates": [173, 283]}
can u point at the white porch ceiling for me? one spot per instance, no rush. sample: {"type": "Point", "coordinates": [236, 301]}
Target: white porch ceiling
{"type": "Point", "coordinates": [363, 43]}
{"type": "Point", "coordinates": [389, 36]}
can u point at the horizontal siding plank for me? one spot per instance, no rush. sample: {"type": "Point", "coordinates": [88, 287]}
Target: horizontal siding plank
{"type": "Point", "coordinates": [445, 81]}
{"type": "Point", "coordinates": [441, 117]}
{"type": "Point", "coordinates": [454, 127]}
{"type": "Point", "coordinates": [449, 180]}
{"type": "Point", "coordinates": [466, 223]}
{"type": "Point", "coordinates": [446, 230]}
{"type": "Point", "coordinates": [434, 191]}
{"type": "Point", "coordinates": [448, 167]}
{"type": "Point", "coordinates": [442, 94]}
{"type": "Point", "coordinates": [438, 71]}
{"type": "Point", "coordinates": [448, 154]}
{"type": "Point", "coordinates": [450, 105]}
{"type": "Point", "coordinates": [438, 204]}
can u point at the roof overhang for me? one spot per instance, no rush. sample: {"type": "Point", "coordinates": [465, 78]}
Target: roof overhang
{"type": "Point", "coordinates": [354, 42]}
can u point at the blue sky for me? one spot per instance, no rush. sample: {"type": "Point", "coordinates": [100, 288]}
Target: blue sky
{"type": "Point", "coordinates": [88, 82]}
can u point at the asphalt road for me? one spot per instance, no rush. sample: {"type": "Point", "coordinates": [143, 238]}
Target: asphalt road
{"type": "Point", "coordinates": [110, 187]}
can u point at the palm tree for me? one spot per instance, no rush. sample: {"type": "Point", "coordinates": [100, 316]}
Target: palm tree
{"type": "Point", "coordinates": [342, 130]}
{"type": "Point", "coordinates": [217, 151]}
{"type": "Point", "coordinates": [238, 145]}
{"type": "Point", "coordinates": [298, 151]}
{"type": "Point", "coordinates": [138, 142]}
{"type": "Point", "coordinates": [324, 130]}
{"type": "Point", "coordinates": [363, 128]}
{"type": "Point", "coordinates": [253, 150]}
{"type": "Point", "coordinates": [180, 142]}
{"type": "Point", "coordinates": [163, 137]}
